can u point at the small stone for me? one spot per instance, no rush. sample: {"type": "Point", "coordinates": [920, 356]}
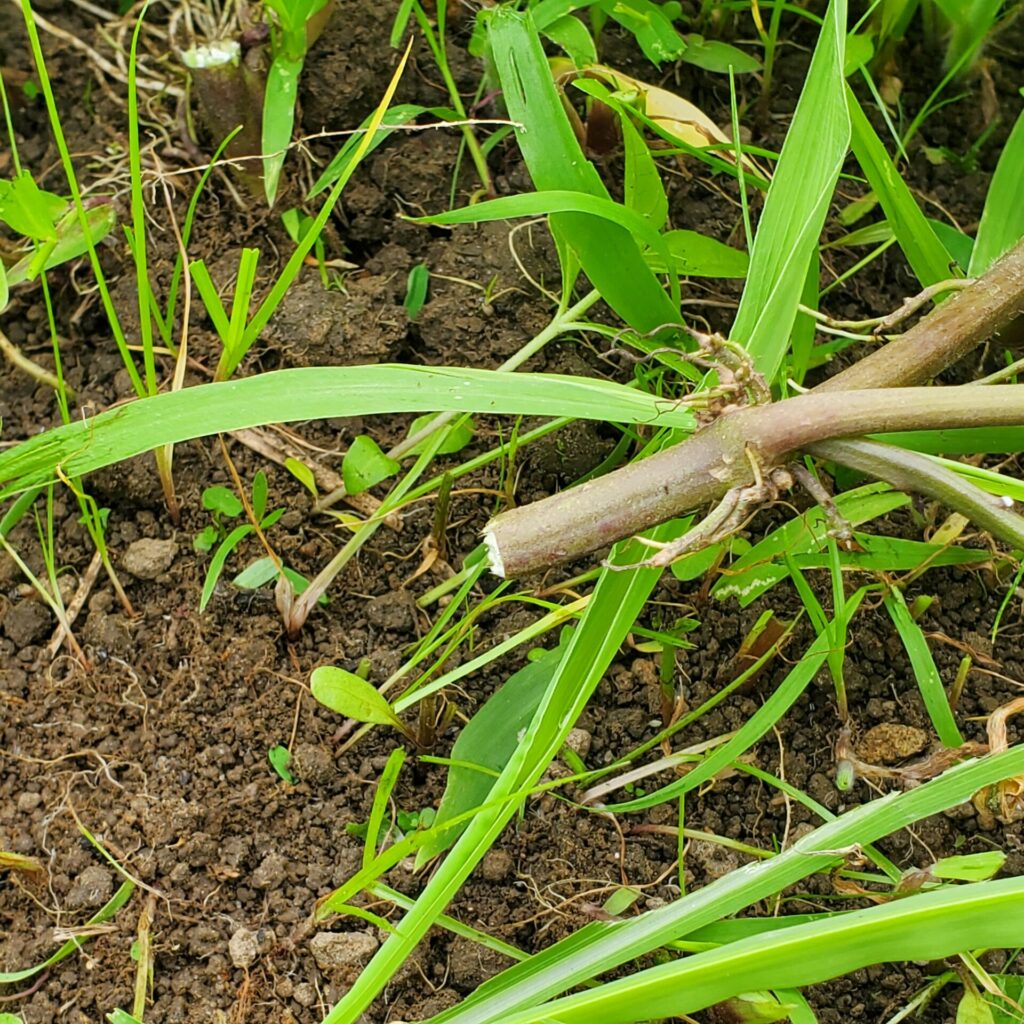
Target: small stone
{"type": "Point", "coordinates": [149, 557]}
{"type": "Point", "coordinates": [243, 947]}
{"type": "Point", "coordinates": [891, 742]}
{"type": "Point", "coordinates": [270, 873]}
{"type": "Point", "coordinates": [92, 888]}
{"type": "Point", "coordinates": [716, 860]}
{"type": "Point", "coordinates": [27, 622]}
{"type": "Point", "coordinates": [304, 994]}
{"type": "Point", "coordinates": [578, 741]}
{"type": "Point", "coordinates": [29, 801]}
{"type": "Point", "coordinates": [496, 866]}
{"type": "Point", "coordinates": [334, 951]}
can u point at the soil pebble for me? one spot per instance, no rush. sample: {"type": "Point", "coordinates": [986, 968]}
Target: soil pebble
{"type": "Point", "coordinates": [148, 557]}
{"type": "Point", "coordinates": [27, 623]}
{"type": "Point", "coordinates": [271, 872]}
{"type": "Point", "coordinates": [313, 763]}
{"type": "Point", "coordinates": [890, 742]}
{"type": "Point", "coordinates": [578, 741]}
{"type": "Point", "coordinates": [93, 887]}
{"type": "Point", "coordinates": [496, 865]}
{"type": "Point", "coordinates": [243, 947]}
{"type": "Point", "coordinates": [336, 951]}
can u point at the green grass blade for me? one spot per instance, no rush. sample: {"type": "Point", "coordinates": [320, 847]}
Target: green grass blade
{"type": "Point", "coordinates": [142, 282]}
{"type": "Point", "coordinates": [962, 441]}
{"type": "Point", "coordinates": [607, 252]}
{"type": "Point", "coordinates": [927, 926]}
{"type": "Point", "coordinates": [603, 945]}
{"type": "Point", "coordinates": [105, 913]}
{"type": "Point", "coordinates": [291, 269]}
{"type": "Point", "coordinates": [1002, 220]}
{"type": "Point", "coordinates": [279, 100]}
{"type": "Point", "coordinates": [929, 682]}
{"type": "Point", "coordinates": [76, 195]}
{"type": "Point", "coordinates": [751, 574]}
{"type": "Point", "coordinates": [927, 256]}
{"type": "Point", "coordinates": [489, 739]}
{"type": "Point", "coordinates": [306, 393]}
{"type": "Point", "coordinates": [211, 299]}
{"type": "Point", "coordinates": [617, 600]}
{"type": "Point", "coordinates": [797, 202]}
{"type": "Point", "coordinates": [553, 202]}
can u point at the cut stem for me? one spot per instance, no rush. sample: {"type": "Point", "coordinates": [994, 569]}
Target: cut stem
{"type": "Point", "coordinates": [706, 465]}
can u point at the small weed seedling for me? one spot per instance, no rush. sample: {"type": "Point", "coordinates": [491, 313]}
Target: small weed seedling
{"type": "Point", "coordinates": [222, 538]}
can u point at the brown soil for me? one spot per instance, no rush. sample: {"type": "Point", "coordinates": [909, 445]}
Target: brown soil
{"type": "Point", "coordinates": [161, 750]}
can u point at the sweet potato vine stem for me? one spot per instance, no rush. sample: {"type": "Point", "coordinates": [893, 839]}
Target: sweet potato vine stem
{"type": "Point", "coordinates": [705, 466]}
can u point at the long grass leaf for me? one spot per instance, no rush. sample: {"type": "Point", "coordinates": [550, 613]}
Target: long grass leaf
{"type": "Point", "coordinates": [607, 252]}
{"type": "Point", "coordinates": [602, 946]}
{"type": "Point", "coordinates": [552, 202]}
{"type": "Point", "coordinates": [798, 199]}
{"type": "Point", "coordinates": [797, 680]}
{"type": "Point", "coordinates": [928, 926]}
{"type": "Point", "coordinates": [1002, 220]}
{"type": "Point", "coordinates": [322, 392]}
{"type": "Point", "coordinates": [927, 256]}
{"type": "Point", "coordinates": [618, 599]}
{"type": "Point", "coordinates": [929, 682]}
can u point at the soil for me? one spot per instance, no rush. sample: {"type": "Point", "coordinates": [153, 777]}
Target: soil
{"type": "Point", "coordinates": [160, 750]}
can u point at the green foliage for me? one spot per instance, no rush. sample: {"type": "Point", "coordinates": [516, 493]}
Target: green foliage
{"type": "Point", "coordinates": [365, 465]}
{"type": "Point", "coordinates": [797, 202]}
{"type": "Point", "coordinates": [925, 671]}
{"type": "Point", "coordinates": [486, 744]}
{"type": "Point", "coordinates": [284, 396]}
{"type": "Point", "coordinates": [653, 23]}
{"type": "Point", "coordinates": [416, 288]}
{"type": "Point", "coordinates": [971, 867]}
{"type": "Point", "coordinates": [603, 946]}
{"type": "Point", "coordinates": [1002, 220]}
{"type": "Point", "coordinates": [352, 696]}
{"type": "Point", "coordinates": [73, 945]}
{"type": "Point", "coordinates": [280, 758]}
{"type": "Point", "coordinates": [927, 256]}
{"type": "Point", "coordinates": [288, 35]}
{"type": "Point", "coordinates": [224, 505]}
{"type": "Point", "coordinates": [121, 1017]}
{"type": "Point", "coordinates": [607, 251]}
{"type": "Point", "coordinates": [51, 223]}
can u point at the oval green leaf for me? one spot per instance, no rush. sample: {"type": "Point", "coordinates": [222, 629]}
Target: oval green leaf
{"type": "Point", "coordinates": [348, 695]}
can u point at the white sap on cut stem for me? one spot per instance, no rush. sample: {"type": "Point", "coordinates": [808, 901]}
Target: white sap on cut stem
{"type": "Point", "coordinates": [213, 55]}
{"type": "Point", "coordinates": [493, 554]}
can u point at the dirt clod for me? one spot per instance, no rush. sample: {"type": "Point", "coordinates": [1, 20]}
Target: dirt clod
{"type": "Point", "coordinates": [336, 952]}
{"type": "Point", "coordinates": [394, 612]}
{"type": "Point", "coordinates": [93, 887]}
{"type": "Point", "coordinates": [497, 865]}
{"type": "Point", "coordinates": [890, 742]}
{"type": "Point", "coordinates": [243, 947]}
{"type": "Point", "coordinates": [27, 622]}
{"type": "Point", "coordinates": [271, 872]}
{"type": "Point", "coordinates": [148, 557]}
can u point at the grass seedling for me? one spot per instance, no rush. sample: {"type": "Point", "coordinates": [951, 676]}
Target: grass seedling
{"type": "Point", "coordinates": [225, 506]}
{"type": "Point", "coordinates": [438, 43]}
{"type": "Point", "coordinates": [238, 333]}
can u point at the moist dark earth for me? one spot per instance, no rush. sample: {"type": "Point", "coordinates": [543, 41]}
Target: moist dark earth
{"type": "Point", "coordinates": [160, 749]}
